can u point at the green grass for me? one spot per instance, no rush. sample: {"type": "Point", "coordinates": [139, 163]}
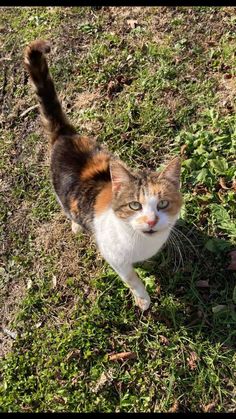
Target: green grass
{"type": "Point", "coordinates": [67, 306]}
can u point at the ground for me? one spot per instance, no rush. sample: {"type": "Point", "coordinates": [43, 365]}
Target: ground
{"type": "Point", "coordinates": [149, 83]}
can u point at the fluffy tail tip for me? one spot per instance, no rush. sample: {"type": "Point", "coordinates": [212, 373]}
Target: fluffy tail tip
{"type": "Point", "coordinates": [35, 51]}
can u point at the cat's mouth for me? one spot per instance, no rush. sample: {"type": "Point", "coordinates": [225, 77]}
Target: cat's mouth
{"type": "Point", "coordinates": [150, 232]}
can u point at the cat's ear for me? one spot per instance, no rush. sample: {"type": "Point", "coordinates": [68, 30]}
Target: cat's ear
{"type": "Point", "coordinates": [120, 175]}
{"type": "Point", "coordinates": [172, 171]}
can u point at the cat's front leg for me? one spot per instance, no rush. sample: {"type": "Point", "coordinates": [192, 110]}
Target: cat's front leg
{"type": "Point", "coordinates": [130, 278]}
{"type": "Point", "coordinates": [75, 227]}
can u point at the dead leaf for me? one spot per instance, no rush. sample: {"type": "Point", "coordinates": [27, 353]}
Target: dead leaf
{"type": "Point", "coordinates": [117, 85]}
{"type": "Point", "coordinates": [54, 281]}
{"type": "Point", "coordinates": [208, 407]}
{"type": "Point", "coordinates": [164, 340]}
{"type": "Point", "coordinates": [183, 148]}
{"type": "Point", "coordinates": [222, 183]}
{"type": "Point", "coordinates": [8, 332]}
{"type": "Point", "coordinates": [174, 408]}
{"type": "Point", "coordinates": [200, 189]}
{"type": "Point", "coordinates": [59, 399]}
{"type": "Point", "coordinates": [26, 408]}
{"type": "Point", "coordinates": [232, 265]}
{"type": "Point", "coordinates": [29, 284]}
{"type": "Point", "coordinates": [105, 378]}
{"type": "Point", "coordinates": [132, 23]}
{"type": "Point", "coordinates": [224, 67]}
{"type": "Point", "coordinates": [100, 383]}
{"type": "Point", "coordinates": [73, 354]}
{"type": "Point", "coordinates": [202, 283]}
{"type": "Point", "coordinates": [220, 195]}
{"type": "Point", "coordinates": [192, 360]}
{"type": "Point", "coordinates": [227, 76]}
{"type": "Point", "coordinates": [122, 356]}
{"type": "Point", "coordinates": [113, 87]}
{"type": "Point", "coordinates": [234, 185]}
{"type": "Point", "coordinates": [124, 80]}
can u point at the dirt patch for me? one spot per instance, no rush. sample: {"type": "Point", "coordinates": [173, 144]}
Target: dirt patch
{"type": "Point", "coordinates": [86, 99]}
{"type": "Point", "coordinates": [13, 285]}
{"type": "Point", "coordinates": [16, 292]}
{"type": "Point", "coordinates": [68, 250]}
{"type": "Point", "coordinates": [226, 94]}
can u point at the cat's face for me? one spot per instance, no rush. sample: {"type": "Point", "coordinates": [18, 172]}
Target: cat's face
{"type": "Point", "coordinates": [149, 202]}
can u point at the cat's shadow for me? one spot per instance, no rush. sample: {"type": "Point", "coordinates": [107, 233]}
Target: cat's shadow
{"type": "Point", "coordinates": [193, 287]}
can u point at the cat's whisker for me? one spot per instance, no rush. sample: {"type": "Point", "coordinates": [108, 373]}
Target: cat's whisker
{"type": "Point", "coordinates": [179, 232]}
{"type": "Point", "coordinates": [179, 242]}
{"type": "Point", "coordinates": [174, 241]}
{"type": "Point", "coordinates": [170, 240]}
{"type": "Point", "coordinates": [174, 246]}
{"type": "Point", "coordinates": [175, 231]}
{"type": "Point", "coordinates": [181, 257]}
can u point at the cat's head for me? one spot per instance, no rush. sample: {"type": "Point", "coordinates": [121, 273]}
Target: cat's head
{"type": "Point", "coordinates": [149, 201]}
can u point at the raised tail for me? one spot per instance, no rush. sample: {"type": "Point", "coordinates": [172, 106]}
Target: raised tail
{"type": "Point", "coordinates": [54, 120]}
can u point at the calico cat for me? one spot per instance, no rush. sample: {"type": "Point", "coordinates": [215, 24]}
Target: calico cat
{"type": "Point", "coordinates": [130, 213]}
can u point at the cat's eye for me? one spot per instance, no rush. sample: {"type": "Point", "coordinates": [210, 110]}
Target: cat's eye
{"type": "Point", "coordinates": [162, 204]}
{"type": "Point", "coordinates": [135, 205]}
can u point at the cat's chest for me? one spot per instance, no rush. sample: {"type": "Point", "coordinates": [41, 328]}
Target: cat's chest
{"type": "Point", "coordinates": [117, 242]}
{"type": "Point", "coordinates": [145, 247]}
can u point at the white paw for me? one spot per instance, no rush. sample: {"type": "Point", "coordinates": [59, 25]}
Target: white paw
{"type": "Point", "coordinates": [75, 227]}
{"type": "Point", "coordinates": [142, 303]}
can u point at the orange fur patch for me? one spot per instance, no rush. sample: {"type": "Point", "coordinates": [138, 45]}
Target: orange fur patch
{"type": "Point", "coordinates": [168, 192]}
{"type": "Point", "coordinates": [103, 199]}
{"type": "Point", "coordinates": [142, 198]}
{"type": "Point", "coordinates": [142, 219]}
{"type": "Point", "coordinates": [74, 206]}
{"type": "Point", "coordinates": [175, 205]}
{"type": "Point", "coordinates": [165, 190]}
{"type": "Point", "coordinates": [83, 143]}
{"type": "Point", "coordinates": [98, 163]}
{"type": "Point", "coordinates": [156, 189]}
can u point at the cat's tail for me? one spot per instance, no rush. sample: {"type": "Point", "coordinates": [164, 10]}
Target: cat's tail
{"type": "Point", "coordinates": [54, 120]}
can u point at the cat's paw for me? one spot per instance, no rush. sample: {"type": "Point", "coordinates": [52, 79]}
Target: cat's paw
{"type": "Point", "coordinates": [142, 303]}
{"type": "Point", "coordinates": [75, 227]}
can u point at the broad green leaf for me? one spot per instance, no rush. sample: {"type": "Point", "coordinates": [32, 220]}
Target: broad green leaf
{"type": "Point", "coordinates": [219, 308]}
{"type": "Point", "coordinates": [220, 214]}
{"type": "Point", "coordinates": [219, 165]}
{"type": "Point", "coordinates": [187, 163]}
{"type": "Point", "coordinates": [202, 175]}
{"type": "Point", "coordinates": [201, 150]}
{"type": "Point", "coordinates": [216, 245]}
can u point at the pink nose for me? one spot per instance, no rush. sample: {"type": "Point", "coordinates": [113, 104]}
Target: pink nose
{"type": "Point", "coordinates": [151, 223]}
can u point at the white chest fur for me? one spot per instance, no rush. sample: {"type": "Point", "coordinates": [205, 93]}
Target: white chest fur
{"type": "Point", "coordinates": [120, 244]}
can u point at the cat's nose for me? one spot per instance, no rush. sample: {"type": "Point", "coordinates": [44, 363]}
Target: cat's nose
{"type": "Point", "coordinates": [151, 223]}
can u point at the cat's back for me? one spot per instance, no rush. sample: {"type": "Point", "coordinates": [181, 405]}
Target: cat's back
{"type": "Point", "coordinates": [80, 171]}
